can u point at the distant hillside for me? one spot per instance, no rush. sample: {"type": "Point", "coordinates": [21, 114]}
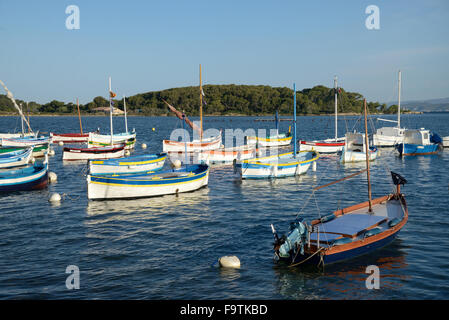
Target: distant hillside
{"type": "Point", "coordinates": [431, 105]}
{"type": "Point", "coordinates": [220, 100]}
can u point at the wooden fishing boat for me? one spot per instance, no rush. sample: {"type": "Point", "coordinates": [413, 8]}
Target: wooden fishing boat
{"type": "Point", "coordinates": [38, 151]}
{"type": "Point", "coordinates": [196, 145]}
{"type": "Point", "coordinates": [328, 145]}
{"type": "Point", "coordinates": [227, 155]}
{"type": "Point", "coordinates": [277, 140]}
{"type": "Point", "coordinates": [276, 166]}
{"type": "Point", "coordinates": [355, 149]}
{"type": "Point", "coordinates": [24, 141]}
{"type": "Point", "coordinates": [419, 142]}
{"type": "Point", "coordinates": [173, 181]}
{"type": "Point", "coordinates": [102, 140]}
{"type": "Point", "coordinates": [345, 233]}
{"type": "Point", "coordinates": [16, 158]}
{"type": "Point", "coordinates": [33, 177]}
{"type": "Point", "coordinates": [279, 165]}
{"type": "Point", "coordinates": [15, 135]}
{"type": "Point", "coordinates": [134, 164]}
{"type": "Point", "coordinates": [69, 137]}
{"type": "Point", "coordinates": [390, 136]}
{"type": "Point", "coordinates": [69, 153]}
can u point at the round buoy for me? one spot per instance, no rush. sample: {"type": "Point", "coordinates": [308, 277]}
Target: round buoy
{"type": "Point", "coordinates": [229, 262]}
{"type": "Point", "coordinates": [154, 129]}
{"type": "Point", "coordinates": [144, 145]}
{"type": "Point", "coordinates": [51, 152]}
{"type": "Point", "coordinates": [127, 153]}
{"type": "Point", "coordinates": [61, 143]}
{"type": "Point", "coordinates": [52, 177]}
{"type": "Point", "coordinates": [177, 163]}
{"type": "Point", "coordinates": [55, 197]}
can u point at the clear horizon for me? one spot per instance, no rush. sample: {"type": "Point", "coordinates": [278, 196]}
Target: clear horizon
{"type": "Point", "coordinates": [154, 45]}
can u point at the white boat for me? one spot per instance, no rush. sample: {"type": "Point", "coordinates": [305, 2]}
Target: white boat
{"type": "Point", "coordinates": [133, 164]}
{"type": "Point", "coordinates": [102, 140]}
{"type": "Point", "coordinates": [15, 135]}
{"type": "Point", "coordinates": [16, 158]}
{"type": "Point", "coordinates": [173, 181]}
{"type": "Point", "coordinates": [227, 155]}
{"type": "Point", "coordinates": [107, 152]}
{"type": "Point", "coordinates": [355, 149]}
{"type": "Point", "coordinates": [277, 140]}
{"type": "Point", "coordinates": [278, 165]}
{"type": "Point", "coordinates": [196, 145]}
{"type": "Point", "coordinates": [446, 142]}
{"type": "Point", "coordinates": [25, 141]}
{"type": "Point", "coordinates": [328, 145]}
{"type": "Point", "coordinates": [390, 136]}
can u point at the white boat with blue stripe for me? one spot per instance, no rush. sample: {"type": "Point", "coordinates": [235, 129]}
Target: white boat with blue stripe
{"type": "Point", "coordinates": [17, 158]}
{"type": "Point", "coordinates": [127, 186]}
{"type": "Point", "coordinates": [133, 164]}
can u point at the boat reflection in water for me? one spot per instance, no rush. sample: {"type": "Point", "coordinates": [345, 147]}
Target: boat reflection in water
{"type": "Point", "coordinates": [347, 277]}
{"type": "Point", "coordinates": [149, 207]}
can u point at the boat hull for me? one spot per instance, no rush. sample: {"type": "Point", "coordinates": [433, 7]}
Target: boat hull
{"type": "Point", "coordinates": [70, 154]}
{"type": "Point", "coordinates": [35, 181]}
{"type": "Point", "coordinates": [116, 187]}
{"type": "Point", "coordinates": [100, 140]}
{"type": "Point", "coordinates": [406, 149]}
{"type": "Point", "coordinates": [275, 166]}
{"type": "Point", "coordinates": [69, 137]}
{"type": "Point", "coordinates": [127, 165]}
{"type": "Point", "coordinates": [19, 158]}
{"type": "Point", "coordinates": [276, 141]}
{"type": "Point", "coordinates": [24, 142]}
{"type": "Point", "coordinates": [349, 156]}
{"type": "Point", "coordinates": [386, 141]}
{"type": "Point", "coordinates": [226, 156]}
{"type": "Point", "coordinates": [322, 146]}
{"type": "Point", "coordinates": [194, 146]}
{"type": "Point", "coordinates": [446, 142]}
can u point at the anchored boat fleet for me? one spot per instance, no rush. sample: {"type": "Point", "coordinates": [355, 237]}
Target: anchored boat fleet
{"type": "Point", "coordinates": [116, 174]}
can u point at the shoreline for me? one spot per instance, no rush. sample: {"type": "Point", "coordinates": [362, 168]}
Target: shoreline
{"type": "Point", "coordinates": [210, 115]}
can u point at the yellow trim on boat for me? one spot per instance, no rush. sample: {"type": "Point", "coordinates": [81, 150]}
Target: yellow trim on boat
{"type": "Point", "coordinates": [257, 160]}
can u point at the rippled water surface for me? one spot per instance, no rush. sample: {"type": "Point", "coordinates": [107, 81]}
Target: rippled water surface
{"type": "Point", "coordinates": [163, 248]}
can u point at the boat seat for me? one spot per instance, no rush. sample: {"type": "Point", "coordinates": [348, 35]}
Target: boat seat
{"type": "Point", "coordinates": [350, 224]}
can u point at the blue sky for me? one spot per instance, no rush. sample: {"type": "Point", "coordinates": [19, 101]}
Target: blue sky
{"type": "Point", "coordinates": [153, 45]}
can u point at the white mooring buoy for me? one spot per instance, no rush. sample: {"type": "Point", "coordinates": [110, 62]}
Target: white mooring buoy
{"type": "Point", "coordinates": [52, 177]}
{"type": "Point", "coordinates": [127, 153]}
{"type": "Point", "coordinates": [229, 262]}
{"type": "Point", "coordinates": [144, 145]}
{"type": "Point", "coordinates": [55, 197]}
{"type": "Point", "coordinates": [61, 143]}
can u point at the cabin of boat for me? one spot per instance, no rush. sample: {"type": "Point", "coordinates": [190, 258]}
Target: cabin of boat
{"type": "Point", "coordinates": [418, 142]}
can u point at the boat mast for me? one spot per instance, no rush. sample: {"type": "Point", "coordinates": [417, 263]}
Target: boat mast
{"type": "Point", "coordinates": [79, 115]}
{"type": "Point", "coordinates": [11, 97]}
{"type": "Point", "coordinates": [335, 86]}
{"type": "Point", "coordinates": [23, 131]}
{"type": "Point", "coordinates": [126, 120]}
{"type": "Point", "coordinates": [201, 108]}
{"type": "Point", "coordinates": [294, 120]}
{"type": "Point", "coordinates": [28, 117]}
{"type": "Point", "coordinates": [110, 113]}
{"type": "Point", "coordinates": [399, 100]}
{"type": "Point", "coordinates": [367, 160]}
